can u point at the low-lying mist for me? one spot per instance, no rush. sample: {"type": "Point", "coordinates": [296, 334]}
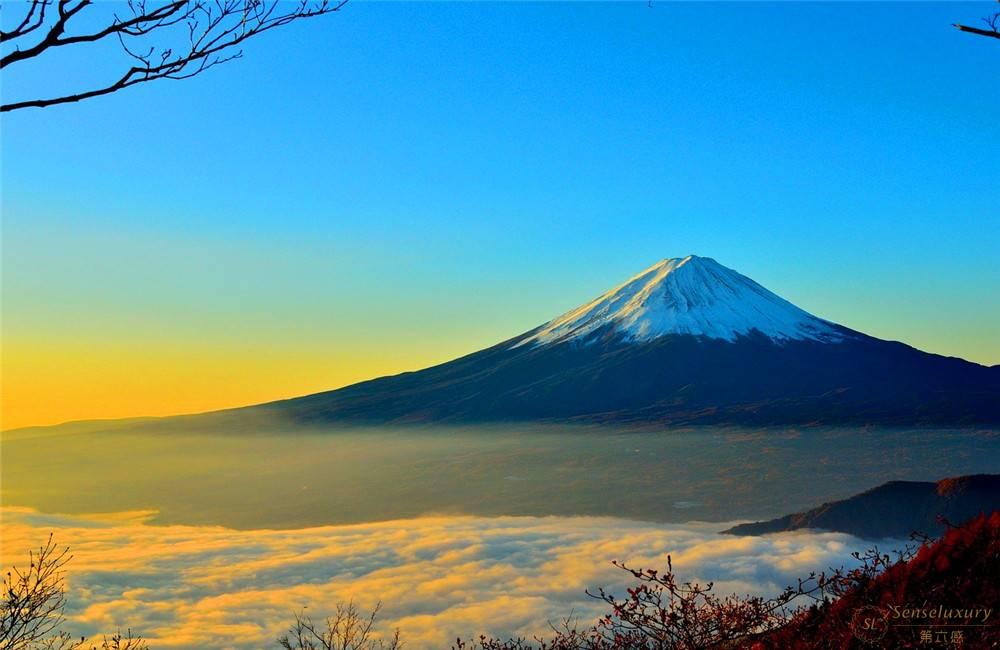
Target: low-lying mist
{"type": "Point", "coordinates": [439, 578]}
{"type": "Point", "coordinates": [284, 478]}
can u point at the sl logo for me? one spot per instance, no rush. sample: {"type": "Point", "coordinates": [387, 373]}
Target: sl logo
{"type": "Point", "coordinates": [870, 623]}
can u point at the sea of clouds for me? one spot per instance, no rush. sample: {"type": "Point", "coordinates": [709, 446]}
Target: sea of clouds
{"type": "Point", "coordinates": [438, 577]}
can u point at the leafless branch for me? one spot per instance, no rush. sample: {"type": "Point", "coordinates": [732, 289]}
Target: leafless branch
{"type": "Point", "coordinates": [992, 26]}
{"type": "Point", "coordinates": [347, 629]}
{"type": "Point", "coordinates": [196, 35]}
{"type": "Point", "coordinates": [33, 598]}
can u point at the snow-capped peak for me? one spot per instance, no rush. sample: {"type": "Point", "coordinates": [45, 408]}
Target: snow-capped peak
{"type": "Point", "coordinates": [690, 295]}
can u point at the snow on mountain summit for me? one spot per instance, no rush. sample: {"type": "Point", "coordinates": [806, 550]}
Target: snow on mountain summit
{"type": "Point", "coordinates": [690, 295]}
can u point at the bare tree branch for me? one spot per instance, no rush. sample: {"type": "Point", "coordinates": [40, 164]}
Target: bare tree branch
{"type": "Point", "coordinates": [33, 599]}
{"type": "Point", "coordinates": [33, 19]}
{"type": "Point", "coordinates": [347, 629]}
{"type": "Point", "coordinates": [196, 36]}
{"type": "Point", "coordinates": [992, 26]}
{"type": "Point", "coordinates": [33, 603]}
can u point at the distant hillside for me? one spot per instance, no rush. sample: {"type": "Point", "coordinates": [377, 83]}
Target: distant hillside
{"type": "Point", "coordinates": [894, 509]}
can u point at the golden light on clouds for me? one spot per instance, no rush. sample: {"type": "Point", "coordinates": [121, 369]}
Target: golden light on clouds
{"type": "Point", "coordinates": [438, 577]}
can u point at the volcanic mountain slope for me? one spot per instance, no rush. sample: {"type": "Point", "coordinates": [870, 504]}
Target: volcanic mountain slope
{"type": "Point", "coordinates": [686, 341]}
{"type": "Point", "coordinates": [894, 509]}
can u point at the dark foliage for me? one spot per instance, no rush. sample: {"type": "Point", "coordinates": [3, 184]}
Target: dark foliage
{"type": "Point", "coordinates": [959, 571]}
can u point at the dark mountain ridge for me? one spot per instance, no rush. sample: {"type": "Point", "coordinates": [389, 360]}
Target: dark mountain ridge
{"type": "Point", "coordinates": [685, 342]}
{"type": "Point", "coordinates": [672, 380]}
{"type": "Point", "coordinates": [894, 509]}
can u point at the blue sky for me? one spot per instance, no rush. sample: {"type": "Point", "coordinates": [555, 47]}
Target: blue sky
{"type": "Point", "coordinates": [413, 181]}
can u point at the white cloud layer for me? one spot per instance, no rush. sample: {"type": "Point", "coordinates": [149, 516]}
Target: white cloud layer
{"type": "Point", "coordinates": [438, 577]}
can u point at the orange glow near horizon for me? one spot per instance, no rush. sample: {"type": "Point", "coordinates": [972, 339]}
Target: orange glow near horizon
{"type": "Point", "coordinates": [47, 382]}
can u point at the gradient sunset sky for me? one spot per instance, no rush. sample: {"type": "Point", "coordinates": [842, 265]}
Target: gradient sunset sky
{"type": "Point", "coordinates": [399, 184]}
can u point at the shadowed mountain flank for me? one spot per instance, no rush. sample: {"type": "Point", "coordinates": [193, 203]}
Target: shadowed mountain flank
{"type": "Point", "coordinates": [894, 509]}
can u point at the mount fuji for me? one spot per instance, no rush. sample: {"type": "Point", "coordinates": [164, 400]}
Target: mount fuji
{"type": "Point", "coordinates": [696, 296]}
{"type": "Point", "coordinates": [687, 341]}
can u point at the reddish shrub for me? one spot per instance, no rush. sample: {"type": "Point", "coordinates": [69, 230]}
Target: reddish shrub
{"type": "Point", "coordinates": [935, 594]}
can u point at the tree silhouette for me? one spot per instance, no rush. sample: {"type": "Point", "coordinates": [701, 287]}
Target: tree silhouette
{"type": "Point", "coordinates": [347, 629]}
{"type": "Point", "coordinates": [33, 598]}
{"type": "Point", "coordinates": [33, 602]}
{"type": "Point", "coordinates": [992, 26]}
{"type": "Point", "coordinates": [177, 39]}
